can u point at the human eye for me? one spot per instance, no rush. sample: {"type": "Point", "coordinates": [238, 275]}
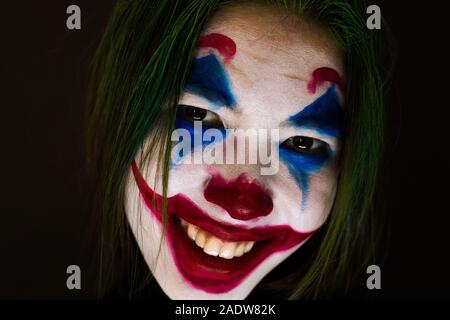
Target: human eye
{"type": "Point", "coordinates": [191, 114]}
{"type": "Point", "coordinates": [305, 145]}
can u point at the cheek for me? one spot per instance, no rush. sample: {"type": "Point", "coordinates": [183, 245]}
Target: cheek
{"type": "Point", "coordinates": [305, 198]}
{"type": "Point", "coordinates": [189, 180]}
{"type": "Point", "coordinates": [302, 167]}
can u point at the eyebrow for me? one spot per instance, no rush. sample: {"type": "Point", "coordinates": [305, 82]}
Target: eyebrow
{"type": "Point", "coordinates": [208, 79]}
{"type": "Point", "coordinates": [325, 74]}
{"type": "Point", "coordinates": [324, 115]}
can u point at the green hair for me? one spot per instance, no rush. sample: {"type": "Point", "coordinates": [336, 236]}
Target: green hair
{"type": "Point", "coordinates": [138, 74]}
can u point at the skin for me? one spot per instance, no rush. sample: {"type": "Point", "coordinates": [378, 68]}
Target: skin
{"type": "Point", "coordinates": [276, 55]}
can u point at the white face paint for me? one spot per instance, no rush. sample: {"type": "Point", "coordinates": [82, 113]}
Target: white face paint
{"type": "Point", "coordinates": [276, 55]}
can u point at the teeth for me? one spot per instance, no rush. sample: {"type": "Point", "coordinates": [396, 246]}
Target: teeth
{"type": "Point", "coordinates": [200, 239]}
{"type": "Point", "coordinates": [248, 246]}
{"type": "Point", "coordinates": [191, 231]}
{"type": "Point", "coordinates": [228, 250]}
{"type": "Point", "coordinates": [239, 249]}
{"type": "Point", "coordinates": [214, 246]}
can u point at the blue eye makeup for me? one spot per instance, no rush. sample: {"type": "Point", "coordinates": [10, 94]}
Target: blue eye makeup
{"type": "Point", "coordinates": [304, 156]}
{"type": "Point", "coordinates": [207, 78]}
{"type": "Point", "coordinates": [301, 165]}
{"type": "Point", "coordinates": [186, 118]}
{"type": "Point", "coordinates": [324, 115]}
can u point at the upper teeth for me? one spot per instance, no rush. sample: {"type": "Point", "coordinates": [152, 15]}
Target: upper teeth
{"type": "Point", "coordinates": [214, 246]}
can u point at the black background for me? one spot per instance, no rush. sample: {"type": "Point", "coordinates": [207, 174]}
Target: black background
{"type": "Point", "coordinates": [44, 217]}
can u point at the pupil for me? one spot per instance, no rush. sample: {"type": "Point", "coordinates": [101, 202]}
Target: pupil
{"type": "Point", "coordinates": [303, 143]}
{"type": "Point", "coordinates": [196, 114]}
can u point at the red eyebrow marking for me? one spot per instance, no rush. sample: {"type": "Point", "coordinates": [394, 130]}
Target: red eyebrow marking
{"type": "Point", "coordinates": [223, 44]}
{"type": "Point", "coordinates": [324, 74]}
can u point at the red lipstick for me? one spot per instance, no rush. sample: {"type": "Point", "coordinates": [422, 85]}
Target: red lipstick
{"type": "Point", "coordinates": [209, 273]}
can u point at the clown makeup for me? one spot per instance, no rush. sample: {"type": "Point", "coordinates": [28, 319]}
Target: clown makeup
{"type": "Point", "coordinates": [256, 67]}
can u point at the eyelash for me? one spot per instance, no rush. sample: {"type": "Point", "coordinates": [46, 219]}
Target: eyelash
{"type": "Point", "coordinates": [300, 144]}
{"type": "Point", "coordinates": [191, 114]}
{"type": "Point", "coordinates": [305, 145]}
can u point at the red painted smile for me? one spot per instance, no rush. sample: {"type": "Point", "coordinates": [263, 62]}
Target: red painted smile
{"type": "Point", "coordinates": [209, 273]}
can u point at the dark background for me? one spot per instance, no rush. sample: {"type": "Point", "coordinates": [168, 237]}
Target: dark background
{"type": "Point", "coordinates": [44, 214]}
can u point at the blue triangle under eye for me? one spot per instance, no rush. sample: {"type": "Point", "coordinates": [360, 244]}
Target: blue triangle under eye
{"type": "Point", "coordinates": [207, 78]}
{"type": "Point", "coordinates": [324, 114]}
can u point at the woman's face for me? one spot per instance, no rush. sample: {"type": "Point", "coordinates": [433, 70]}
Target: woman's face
{"type": "Point", "coordinates": [233, 218]}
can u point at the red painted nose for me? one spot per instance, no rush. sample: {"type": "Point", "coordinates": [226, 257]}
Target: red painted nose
{"type": "Point", "coordinates": [242, 198]}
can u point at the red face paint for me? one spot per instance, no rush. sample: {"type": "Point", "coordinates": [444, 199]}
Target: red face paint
{"type": "Point", "coordinates": [205, 272]}
{"type": "Point", "coordinates": [223, 44]}
{"type": "Point", "coordinates": [325, 74]}
{"type": "Point", "coordinates": [241, 198]}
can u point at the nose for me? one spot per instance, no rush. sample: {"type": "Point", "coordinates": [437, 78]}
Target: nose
{"type": "Point", "coordinates": [242, 198]}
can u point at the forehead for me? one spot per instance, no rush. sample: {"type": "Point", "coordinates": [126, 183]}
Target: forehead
{"type": "Point", "coordinates": [276, 54]}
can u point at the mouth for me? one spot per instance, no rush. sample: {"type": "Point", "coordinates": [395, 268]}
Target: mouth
{"type": "Point", "coordinates": [213, 256]}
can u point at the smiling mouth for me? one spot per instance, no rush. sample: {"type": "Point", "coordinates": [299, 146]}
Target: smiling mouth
{"type": "Point", "coordinates": [213, 256]}
{"type": "Point", "coordinates": [215, 246]}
